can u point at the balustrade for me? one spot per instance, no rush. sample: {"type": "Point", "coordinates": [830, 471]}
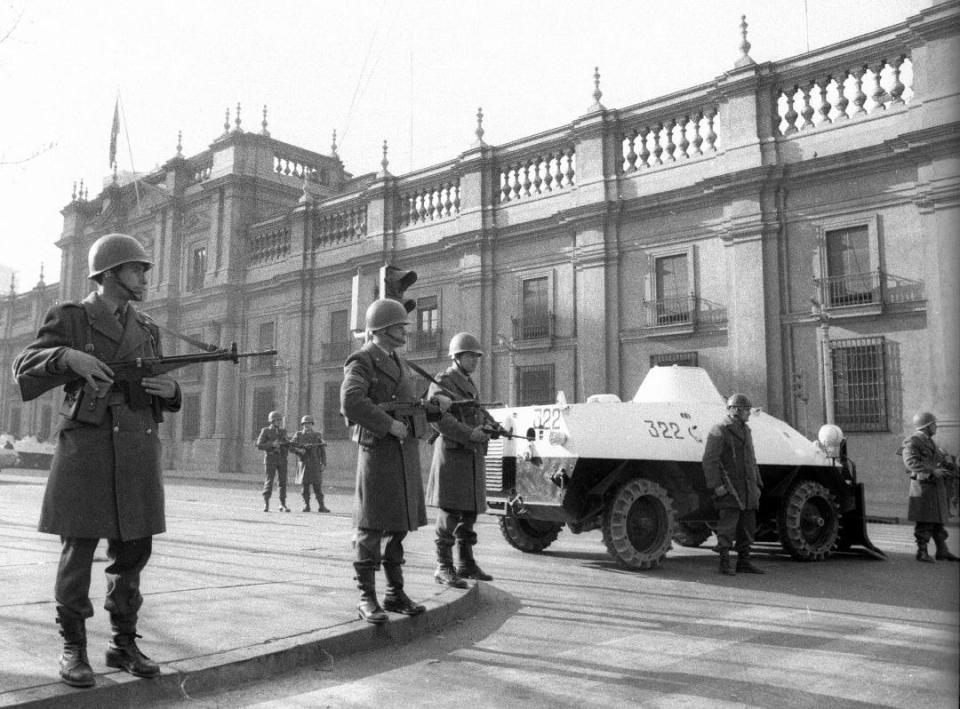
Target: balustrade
{"type": "Point", "coordinates": [201, 169]}
{"type": "Point", "coordinates": [844, 93]}
{"type": "Point", "coordinates": [537, 327]}
{"type": "Point", "coordinates": [271, 243]}
{"type": "Point", "coordinates": [339, 226]}
{"type": "Point", "coordinates": [542, 173]}
{"type": "Point", "coordinates": [683, 310]}
{"type": "Point", "coordinates": [290, 166]}
{"type": "Point", "coordinates": [655, 142]}
{"type": "Point", "coordinates": [430, 203]}
{"type": "Point", "coordinates": [871, 287]}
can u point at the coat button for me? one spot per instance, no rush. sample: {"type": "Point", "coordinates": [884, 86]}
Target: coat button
{"type": "Point", "coordinates": [149, 430]}
{"type": "Point", "coordinates": [116, 429]}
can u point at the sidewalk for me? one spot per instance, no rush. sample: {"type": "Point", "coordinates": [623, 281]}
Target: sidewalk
{"type": "Point", "coordinates": [231, 594]}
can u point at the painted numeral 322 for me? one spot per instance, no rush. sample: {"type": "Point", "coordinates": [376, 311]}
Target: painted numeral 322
{"type": "Point", "coordinates": [663, 429]}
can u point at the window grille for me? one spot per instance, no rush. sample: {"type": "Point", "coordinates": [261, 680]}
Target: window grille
{"type": "Point", "coordinates": [333, 423]}
{"type": "Point", "coordinates": [265, 341]}
{"type": "Point", "coordinates": [427, 336]}
{"type": "Point", "coordinates": [859, 383]}
{"type": "Point", "coordinates": [264, 401]}
{"type": "Point", "coordinates": [190, 417]}
{"type": "Point", "coordinates": [667, 359]}
{"type": "Point", "coordinates": [198, 267]}
{"type": "Point", "coordinates": [534, 308]}
{"type": "Point", "coordinates": [535, 384]}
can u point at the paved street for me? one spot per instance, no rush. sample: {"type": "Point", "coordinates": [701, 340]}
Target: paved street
{"type": "Point", "coordinates": [563, 629]}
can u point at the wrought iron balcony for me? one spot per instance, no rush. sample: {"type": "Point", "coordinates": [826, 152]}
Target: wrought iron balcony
{"type": "Point", "coordinates": [425, 340]}
{"type": "Point", "coordinates": [686, 311]}
{"type": "Point", "coordinates": [875, 288]}
{"type": "Point", "coordinates": [534, 328]}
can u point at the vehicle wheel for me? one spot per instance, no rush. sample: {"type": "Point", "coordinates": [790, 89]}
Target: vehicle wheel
{"type": "Point", "coordinates": [691, 534]}
{"type": "Point", "coordinates": [529, 535]}
{"type": "Point", "coordinates": [809, 521]}
{"type": "Point", "coordinates": [639, 524]}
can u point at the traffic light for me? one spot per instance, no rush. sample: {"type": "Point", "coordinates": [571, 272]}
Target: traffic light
{"type": "Point", "coordinates": [394, 282]}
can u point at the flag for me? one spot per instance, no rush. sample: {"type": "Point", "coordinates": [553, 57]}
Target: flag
{"type": "Point", "coordinates": [114, 132]}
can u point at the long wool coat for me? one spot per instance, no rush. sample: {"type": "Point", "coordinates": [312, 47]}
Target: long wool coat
{"type": "Point", "coordinates": [313, 460]}
{"type": "Point", "coordinates": [730, 444]}
{"type": "Point", "coordinates": [457, 480]}
{"type": "Point", "coordinates": [928, 495]}
{"type": "Point", "coordinates": [389, 491]}
{"type": "Point", "coordinates": [105, 480]}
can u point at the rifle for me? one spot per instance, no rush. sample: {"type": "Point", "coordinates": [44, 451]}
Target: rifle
{"type": "Point", "coordinates": [731, 490]}
{"type": "Point", "coordinates": [490, 425]}
{"type": "Point", "coordinates": [414, 414]}
{"type": "Point", "coordinates": [90, 406]}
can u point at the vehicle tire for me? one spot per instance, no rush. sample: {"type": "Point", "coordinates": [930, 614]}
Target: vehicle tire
{"type": "Point", "coordinates": [691, 534]}
{"type": "Point", "coordinates": [809, 521]}
{"type": "Point", "coordinates": [638, 524]}
{"type": "Point", "coordinates": [529, 535]}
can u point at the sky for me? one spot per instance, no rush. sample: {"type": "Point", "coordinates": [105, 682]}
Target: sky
{"type": "Point", "coordinates": [413, 73]}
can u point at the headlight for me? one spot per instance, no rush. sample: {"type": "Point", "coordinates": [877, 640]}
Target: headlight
{"type": "Point", "coordinates": [830, 438]}
{"type": "Point", "coordinates": [557, 438]}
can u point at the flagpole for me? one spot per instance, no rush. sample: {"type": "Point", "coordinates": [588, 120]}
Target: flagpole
{"type": "Point", "coordinates": [126, 133]}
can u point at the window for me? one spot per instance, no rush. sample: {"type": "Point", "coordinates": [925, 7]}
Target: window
{"type": "Point", "coordinates": [264, 401]}
{"type": "Point", "coordinates": [46, 421]}
{"type": "Point", "coordinates": [859, 384]}
{"type": "Point", "coordinates": [338, 344]}
{"type": "Point", "coordinates": [850, 279]}
{"type": "Point", "coordinates": [535, 385]}
{"type": "Point", "coordinates": [265, 341]}
{"type": "Point", "coordinates": [672, 289]}
{"type": "Point", "coordinates": [428, 323]}
{"type": "Point", "coordinates": [534, 297]}
{"type": "Point", "coordinates": [667, 359]}
{"type": "Point", "coordinates": [190, 417]}
{"type": "Point", "coordinates": [333, 423]}
{"type": "Point", "coordinates": [198, 267]}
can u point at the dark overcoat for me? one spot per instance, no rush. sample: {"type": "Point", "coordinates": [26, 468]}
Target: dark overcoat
{"type": "Point", "coordinates": [105, 480]}
{"type": "Point", "coordinates": [313, 460]}
{"type": "Point", "coordinates": [929, 495]}
{"type": "Point", "coordinates": [389, 490]}
{"type": "Point", "coordinates": [730, 444]}
{"type": "Point", "coordinates": [457, 480]}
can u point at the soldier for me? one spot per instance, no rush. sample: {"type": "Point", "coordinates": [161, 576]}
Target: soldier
{"type": "Point", "coordinates": [389, 495]}
{"type": "Point", "coordinates": [309, 447]}
{"type": "Point", "coordinates": [274, 443]}
{"type": "Point", "coordinates": [105, 480]}
{"type": "Point", "coordinates": [456, 485]}
{"type": "Point", "coordinates": [929, 469]}
{"type": "Point", "coordinates": [730, 469]}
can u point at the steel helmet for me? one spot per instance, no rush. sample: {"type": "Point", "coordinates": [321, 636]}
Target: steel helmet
{"type": "Point", "coordinates": [464, 342]}
{"type": "Point", "coordinates": [384, 313]}
{"type": "Point", "coordinates": [923, 419]}
{"type": "Point", "coordinates": [275, 416]}
{"type": "Point", "coordinates": [115, 250]}
{"type": "Point", "coordinates": [306, 419]}
{"type": "Point", "coordinates": [739, 401]}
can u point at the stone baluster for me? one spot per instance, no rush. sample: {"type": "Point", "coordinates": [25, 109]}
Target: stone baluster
{"type": "Point", "coordinates": [537, 180]}
{"type": "Point", "coordinates": [842, 100]}
{"type": "Point", "coordinates": [791, 115]}
{"type": "Point", "coordinates": [670, 146]}
{"type": "Point", "coordinates": [859, 97]}
{"type": "Point", "coordinates": [684, 142]}
{"type": "Point", "coordinates": [630, 160]}
{"type": "Point", "coordinates": [697, 138]}
{"type": "Point", "coordinates": [657, 147]}
{"type": "Point", "coordinates": [896, 91]}
{"type": "Point", "coordinates": [456, 198]}
{"type": "Point", "coordinates": [711, 139]}
{"type": "Point", "coordinates": [879, 93]}
{"type": "Point", "coordinates": [824, 109]}
{"type": "Point", "coordinates": [644, 151]}
{"type": "Point", "coordinates": [527, 165]}
{"type": "Point", "coordinates": [571, 168]}
{"type": "Point", "coordinates": [806, 112]}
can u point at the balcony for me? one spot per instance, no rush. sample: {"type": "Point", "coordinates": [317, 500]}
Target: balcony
{"type": "Point", "coordinates": [681, 315]}
{"type": "Point", "coordinates": [335, 351]}
{"type": "Point", "coordinates": [425, 341]}
{"type": "Point", "coordinates": [534, 329]}
{"type": "Point", "coordinates": [869, 293]}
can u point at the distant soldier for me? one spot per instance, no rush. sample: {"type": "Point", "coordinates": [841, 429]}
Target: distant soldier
{"type": "Point", "coordinates": [389, 497]}
{"type": "Point", "coordinates": [274, 443]}
{"type": "Point", "coordinates": [310, 448]}
{"type": "Point", "coordinates": [930, 469]}
{"type": "Point", "coordinates": [457, 483]}
{"type": "Point", "coordinates": [731, 472]}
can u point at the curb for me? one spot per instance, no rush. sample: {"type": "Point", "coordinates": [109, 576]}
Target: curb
{"type": "Point", "coordinates": [197, 675]}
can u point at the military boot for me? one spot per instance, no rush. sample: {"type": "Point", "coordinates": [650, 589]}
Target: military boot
{"type": "Point", "coordinates": [725, 567]}
{"type": "Point", "coordinates": [445, 575]}
{"type": "Point", "coordinates": [467, 567]}
{"type": "Point", "coordinates": [123, 652]}
{"type": "Point", "coordinates": [922, 554]}
{"type": "Point", "coordinates": [745, 566]}
{"type": "Point", "coordinates": [320, 506]}
{"type": "Point", "coordinates": [74, 665]}
{"type": "Point", "coordinates": [395, 600]}
{"type": "Point", "coordinates": [266, 503]}
{"type": "Point", "coordinates": [943, 554]}
{"type": "Point", "coordinates": [306, 504]}
{"type": "Point", "coordinates": [369, 608]}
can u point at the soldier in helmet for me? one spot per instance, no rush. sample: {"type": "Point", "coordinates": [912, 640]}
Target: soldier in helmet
{"type": "Point", "coordinates": [929, 469]}
{"type": "Point", "coordinates": [274, 443]}
{"type": "Point", "coordinates": [105, 480]}
{"type": "Point", "coordinates": [310, 448]}
{"type": "Point", "coordinates": [457, 485]}
{"type": "Point", "coordinates": [731, 472]}
{"type": "Point", "coordinates": [389, 495]}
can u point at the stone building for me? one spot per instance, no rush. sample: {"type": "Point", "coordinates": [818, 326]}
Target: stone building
{"type": "Point", "coordinates": [791, 226]}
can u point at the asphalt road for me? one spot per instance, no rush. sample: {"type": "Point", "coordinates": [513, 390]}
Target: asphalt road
{"type": "Point", "coordinates": [567, 628]}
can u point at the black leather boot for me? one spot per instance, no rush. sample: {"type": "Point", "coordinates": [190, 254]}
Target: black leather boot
{"type": "Point", "coordinates": [922, 554]}
{"type": "Point", "coordinates": [467, 567]}
{"type": "Point", "coordinates": [725, 567]}
{"type": "Point", "coordinates": [395, 600]}
{"type": "Point", "coordinates": [369, 608]}
{"type": "Point", "coordinates": [123, 652]}
{"type": "Point", "coordinates": [445, 574]}
{"type": "Point", "coordinates": [745, 566]}
{"type": "Point", "coordinates": [943, 554]}
{"type": "Point", "coordinates": [74, 665]}
{"type": "Point", "coordinates": [266, 503]}
{"type": "Point", "coordinates": [320, 506]}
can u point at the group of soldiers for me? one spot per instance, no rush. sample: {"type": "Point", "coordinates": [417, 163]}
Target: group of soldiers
{"type": "Point", "coordinates": [105, 480]}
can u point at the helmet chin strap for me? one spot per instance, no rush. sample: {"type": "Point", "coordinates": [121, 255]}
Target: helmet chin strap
{"type": "Point", "coordinates": [131, 295]}
{"type": "Point", "coordinates": [393, 339]}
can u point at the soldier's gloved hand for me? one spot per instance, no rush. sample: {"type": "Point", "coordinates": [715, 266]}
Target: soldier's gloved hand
{"type": "Point", "coordinates": [443, 402]}
{"type": "Point", "coordinates": [398, 429]}
{"type": "Point", "coordinates": [161, 385]}
{"type": "Point", "coordinates": [720, 490]}
{"type": "Point", "coordinates": [95, 372]}
{"type": "Point", "coordinates": [938, 473]}
{"type": "Point", "coordinates": [478, 435]}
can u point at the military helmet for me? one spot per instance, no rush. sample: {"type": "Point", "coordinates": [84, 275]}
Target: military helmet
{"type": "Point", "coordinates": [306, 419]}
{"type": "Point", "coordinates": [274, 416]}
{"type": "Point", "coordinates": [464, 342]}
{"type": "Point", "coordinates": [739, 401]}
{"type": "Point", "coordinates": [115, 250]}
{"type": "Point", "coordinates": [384, 313]}
{"type": "Point", "coordinates": [923, 419]}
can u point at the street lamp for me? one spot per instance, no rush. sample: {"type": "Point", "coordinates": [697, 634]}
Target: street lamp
{"type": "Point", "coordinates": [507, 344]}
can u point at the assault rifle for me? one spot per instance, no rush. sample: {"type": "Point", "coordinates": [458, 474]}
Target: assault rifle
{"type": "Point", "coordinates": [415, 414]}
{"type": "Point", "coordinates": [731, 490]}
{"type": "Point", "coordinates": [90, 406]}
{"type": "Point", "coordinates": [490, 425]}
